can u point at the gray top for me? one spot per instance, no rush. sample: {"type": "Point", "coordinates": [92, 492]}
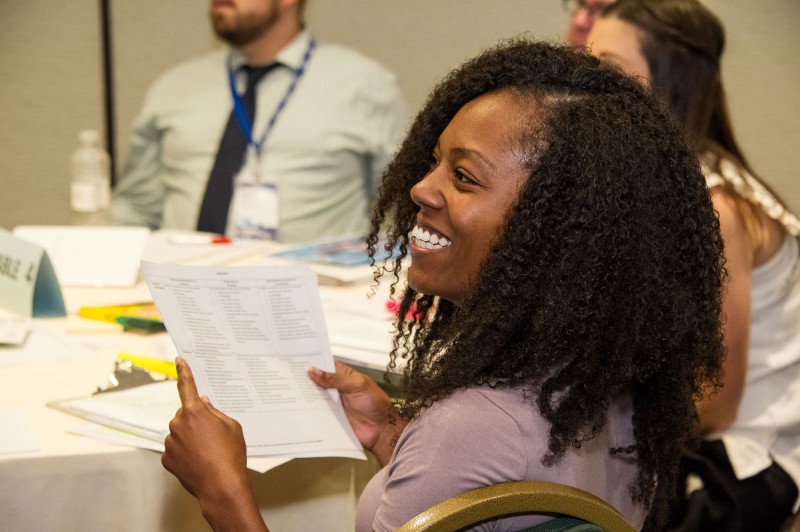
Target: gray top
{"type": "Point", "coordinates": [482, 436]}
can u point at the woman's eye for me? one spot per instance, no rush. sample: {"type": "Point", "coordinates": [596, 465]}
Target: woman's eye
{"type": "Point", "coordinates": [462, 178]}
{"type": "Point", "coordinates": [434, 162]}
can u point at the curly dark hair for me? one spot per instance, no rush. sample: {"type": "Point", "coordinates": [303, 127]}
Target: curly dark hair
{"type": "Point", "coordinates": [605, 280]}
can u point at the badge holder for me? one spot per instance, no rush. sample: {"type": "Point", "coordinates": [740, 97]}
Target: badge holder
{"type": "Point", "coordinates": [254, 207]}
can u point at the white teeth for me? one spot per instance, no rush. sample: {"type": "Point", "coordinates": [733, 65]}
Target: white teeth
{"type": "Point", "coordinates": [428, 240]}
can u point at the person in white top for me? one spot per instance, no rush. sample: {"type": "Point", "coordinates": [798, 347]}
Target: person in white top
{"type": "Point", "coordinates": [751, 426]}
{"type": "Point", "coordinates": [327, 120]}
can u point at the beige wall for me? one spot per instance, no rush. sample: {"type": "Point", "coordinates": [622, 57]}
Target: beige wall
{"type": "Point", "coordinates": [52, 86]}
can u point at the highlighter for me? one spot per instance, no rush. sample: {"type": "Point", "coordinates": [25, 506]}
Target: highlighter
{"type": "Point", "coordinates": [157, 365]}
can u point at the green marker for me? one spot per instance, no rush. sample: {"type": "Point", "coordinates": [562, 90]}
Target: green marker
{"type": "Point", "coordinates": [141, 325]}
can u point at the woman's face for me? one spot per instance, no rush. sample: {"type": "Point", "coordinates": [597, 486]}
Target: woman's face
{"type": "Point", "coordinates": [477, 172]}
{"type": "Point", "coordinates": [618, 42]}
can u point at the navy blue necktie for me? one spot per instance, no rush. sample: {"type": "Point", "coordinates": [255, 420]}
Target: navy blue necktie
{"type": "Point", "coordinates": [230, 157]}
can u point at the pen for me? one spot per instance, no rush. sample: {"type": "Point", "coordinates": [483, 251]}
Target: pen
{"type": "Point", "coordinates": [200, 239]}
{"type": "Point", "coordinates": [158, 365]}
{"type": "Point", "coordinates": [142, 325]}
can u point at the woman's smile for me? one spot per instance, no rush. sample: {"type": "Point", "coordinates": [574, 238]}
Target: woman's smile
{"type": "Point", "coordinates": [427, 238]}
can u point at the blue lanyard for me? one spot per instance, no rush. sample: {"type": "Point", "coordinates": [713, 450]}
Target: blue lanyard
{"type": "Point", "coordinates": [241, 114]}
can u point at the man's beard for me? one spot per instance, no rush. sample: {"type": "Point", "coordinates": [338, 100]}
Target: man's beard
{"type": "Point", "coordinates": [243, 29]}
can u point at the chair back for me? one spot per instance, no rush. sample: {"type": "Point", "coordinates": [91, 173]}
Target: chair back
{"type": "Point", "coordinates": [521, 497]}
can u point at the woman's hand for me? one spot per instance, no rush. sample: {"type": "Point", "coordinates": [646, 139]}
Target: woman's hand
{"type": "Point", "coordinates": [368, 408]}
{"type": "Point", "coordinates": [205, 449]}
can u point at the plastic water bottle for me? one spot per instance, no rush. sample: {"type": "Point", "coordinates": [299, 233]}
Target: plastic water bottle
{"type": "Point", "coordinates": [90, 189]}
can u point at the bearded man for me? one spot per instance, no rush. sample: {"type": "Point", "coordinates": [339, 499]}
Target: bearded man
{"type": "Point", "coordinates": [276, 135]}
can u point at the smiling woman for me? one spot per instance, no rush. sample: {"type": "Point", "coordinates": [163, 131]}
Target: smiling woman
{"type": "Point", "coordinates": [582, 280]}
{"type": "Point", "coordinates": [563, 302]}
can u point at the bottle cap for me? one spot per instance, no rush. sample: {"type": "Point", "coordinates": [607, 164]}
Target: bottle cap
{"type": "Point", "coordinates": [89, 136]}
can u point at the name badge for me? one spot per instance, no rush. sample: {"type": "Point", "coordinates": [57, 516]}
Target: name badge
{"type": "Point", "coordinates": [254, 208]}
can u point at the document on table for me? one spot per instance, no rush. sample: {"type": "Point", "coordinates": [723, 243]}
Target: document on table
{"type": "Point", "coordinates": [107, 434]}
{"type": "Point", "coordinates": [144, 411]}
{"type": "Point", "coordinates": [17, 435]}
{"type": "Point", "coordinates": [176, 246]}
{"type": "Point", "coordinates": [249, 334]}
{"type": "Point", "coordinates": [90, 256]}
{"type": "Point", "coordinates": [44, 344]}
{"type": "Point", "coordinates": [137, 416]}
{"type": "Point", "coordinates": [14, 329]}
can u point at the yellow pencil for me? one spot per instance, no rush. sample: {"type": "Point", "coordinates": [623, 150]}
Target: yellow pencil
{"type": "Point", "coordinates": [158, 365]}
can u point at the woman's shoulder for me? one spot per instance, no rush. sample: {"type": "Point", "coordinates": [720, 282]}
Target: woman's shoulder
{"type": "Point", "coordinates": [486, 407]}
{"type": "Point", "coordinates": [730, 180]}
{"type": "Point", "coordinates": [472, 420]}
{"type": "Point", "coordinates": [467, 440]}
{"type": "Point", "coordinates": [481, 436]}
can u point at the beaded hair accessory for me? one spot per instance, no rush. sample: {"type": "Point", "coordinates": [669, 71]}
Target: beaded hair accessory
{"type": "Point", "coordinates": [720, 171]}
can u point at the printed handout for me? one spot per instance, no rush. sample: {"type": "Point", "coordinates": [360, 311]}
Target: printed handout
{"type": "Point", "coordinates": [249, 334]}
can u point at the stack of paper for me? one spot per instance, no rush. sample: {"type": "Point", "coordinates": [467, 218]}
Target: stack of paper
{"type": "Point", "coordinates": [360, 327]}
{"type": "Point", "coordinates": [174, 246]}
{"type": "Point", "coordinates": [144, 410]}
{"type": "Point", "coordinates": [336, 262]}
{"type": "Point", "coordinates": [138, 417]}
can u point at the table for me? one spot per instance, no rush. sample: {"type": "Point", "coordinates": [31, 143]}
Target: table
{"type": "Point", "coordinates": [80, 484]}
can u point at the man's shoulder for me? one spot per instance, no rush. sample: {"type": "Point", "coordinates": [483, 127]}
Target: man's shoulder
{"type": "Point", "coordinates": [211, 63]}
{"type": "Point", "coordinates": [340, 55]}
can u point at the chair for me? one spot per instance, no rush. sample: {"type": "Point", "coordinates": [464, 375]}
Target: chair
{"type": "Point", "coordinates": [521, 497]}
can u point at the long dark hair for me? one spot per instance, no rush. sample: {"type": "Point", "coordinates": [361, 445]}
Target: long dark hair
{"type": "Point", "coordinates": [683, 42]}
{"type": "Point", "coordinates": [605, 280]}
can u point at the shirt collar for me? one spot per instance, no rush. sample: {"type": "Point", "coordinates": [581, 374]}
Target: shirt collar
{"type": "Point", "coordinates": [290, 55]}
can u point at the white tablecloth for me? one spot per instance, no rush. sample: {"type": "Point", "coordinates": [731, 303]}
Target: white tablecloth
{"type": "Point", "coordinates": [80, 484]}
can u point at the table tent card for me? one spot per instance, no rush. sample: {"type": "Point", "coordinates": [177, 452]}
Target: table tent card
{"type": "Point", "coordinates": [28, 282]}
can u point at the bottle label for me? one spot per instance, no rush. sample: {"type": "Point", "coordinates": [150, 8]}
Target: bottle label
{"type": "Point", "coordinates": [84, 197]}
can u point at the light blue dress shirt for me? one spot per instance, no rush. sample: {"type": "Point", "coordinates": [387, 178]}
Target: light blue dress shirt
{"type": "Point", "coordinates": [325, 154]}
